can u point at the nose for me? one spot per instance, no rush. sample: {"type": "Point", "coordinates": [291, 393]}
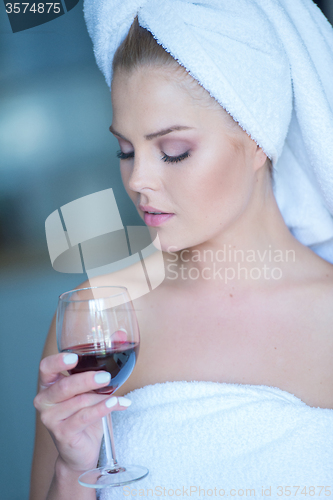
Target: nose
{"type": "Point", "coordinates": [143, 174]}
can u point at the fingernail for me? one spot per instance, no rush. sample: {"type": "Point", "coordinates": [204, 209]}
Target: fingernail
{"type": "Point", "coordinates": [102, 378]}
{"type": "Point", "coordinates": [70, 358]}
{"type": "Point", "coordinates": [111, 402]}
{"type": "Point", "coordinates": [124, 401]}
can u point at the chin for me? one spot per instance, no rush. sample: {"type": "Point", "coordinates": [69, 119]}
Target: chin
{"type": "Point", "coordinates": [166, 242]}
{"type": "Point", "coordinates": [171, 246]}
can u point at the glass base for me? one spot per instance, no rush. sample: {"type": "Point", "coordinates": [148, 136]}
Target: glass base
{"type": "Point", "coordinates": [104, 477]}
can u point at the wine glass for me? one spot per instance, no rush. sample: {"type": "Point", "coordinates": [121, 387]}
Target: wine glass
{"type": "Point", "coordinates": [99, 324]}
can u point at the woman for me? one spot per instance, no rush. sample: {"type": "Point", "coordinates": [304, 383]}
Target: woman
{"type": "Point", "coordinates": [237, 341]}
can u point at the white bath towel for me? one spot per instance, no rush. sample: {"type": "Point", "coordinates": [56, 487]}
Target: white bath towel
{"type": "Point", "coordinates": [269, 63]}
{"type": "Point", "coordinates": [225, 439]}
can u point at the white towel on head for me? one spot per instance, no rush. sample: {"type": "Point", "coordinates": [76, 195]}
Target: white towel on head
{"type": "Point", "coordinates": [224, 436]}
{"type": "Point", "coordinates": [269, 63]}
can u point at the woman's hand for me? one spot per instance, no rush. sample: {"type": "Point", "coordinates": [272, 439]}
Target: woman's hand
{"type": "Point", "coordinates": [71, 413]}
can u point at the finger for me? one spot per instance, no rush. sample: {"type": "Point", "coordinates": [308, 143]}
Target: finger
{"type": "Point", "coordinates": [52, 366]}
{"type": "Point", "coordinates": [90, 415]}
{"type": "Point", "coordinates": [68, 408]}
{"type": "Point", "coordinates": [68, 387]}
{"type": "Point", "coordinates": [115, 403]}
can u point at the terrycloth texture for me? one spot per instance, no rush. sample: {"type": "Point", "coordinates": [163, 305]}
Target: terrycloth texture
{"type": "Point", "coordinates": [224, 436]}
{"type": "Point", "coordinates": [269, 63]}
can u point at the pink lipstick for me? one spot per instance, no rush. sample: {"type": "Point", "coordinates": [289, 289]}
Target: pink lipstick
{"type": "Point", "coordinates": [154, 216]}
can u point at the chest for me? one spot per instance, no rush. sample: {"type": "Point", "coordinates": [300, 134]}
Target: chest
{"type": "Point", "coordinates": [233, 339]}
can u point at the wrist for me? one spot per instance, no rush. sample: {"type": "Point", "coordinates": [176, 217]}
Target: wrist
{"type": "Point", "coordinates": [64, 472]}
{"type": "Point", "coordinates": [65, 484]}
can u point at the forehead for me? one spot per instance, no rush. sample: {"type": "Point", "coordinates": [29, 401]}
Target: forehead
{"type": "Point", "coordinates": [162, 82]}
{"type": "Point", "coordinates": [153, 96]}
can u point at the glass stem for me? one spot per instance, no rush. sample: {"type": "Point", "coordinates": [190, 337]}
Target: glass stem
{"type": "Point", "coordinates": [111, 460]}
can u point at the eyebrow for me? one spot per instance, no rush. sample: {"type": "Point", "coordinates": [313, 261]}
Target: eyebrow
{"type": "Point", "coordinates": [149, 137]}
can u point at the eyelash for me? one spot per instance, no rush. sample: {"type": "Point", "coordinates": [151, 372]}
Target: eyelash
{"type": "Point", "coordinates": [166, 158]}
{"type": "Point", "coordinates": [175, 159]}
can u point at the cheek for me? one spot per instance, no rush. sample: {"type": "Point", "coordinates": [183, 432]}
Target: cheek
{"type": "Point", "coordinates": [223, 189]}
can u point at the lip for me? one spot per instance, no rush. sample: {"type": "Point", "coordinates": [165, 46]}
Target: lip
{"type": "Point", "coordinates": [148, 208]}
{"type": "Point", "coordinates": [154, 220]}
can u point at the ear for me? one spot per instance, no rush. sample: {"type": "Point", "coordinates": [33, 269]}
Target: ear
{"type": "Point", "coordinates": [259, 159]}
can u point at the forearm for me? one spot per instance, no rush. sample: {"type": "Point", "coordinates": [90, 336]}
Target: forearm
{"type": "Point", "coordinates": [65, 485]}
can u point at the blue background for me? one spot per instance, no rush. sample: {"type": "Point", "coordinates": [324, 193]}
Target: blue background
{"type": "Point", "coordinates": [55, 147]}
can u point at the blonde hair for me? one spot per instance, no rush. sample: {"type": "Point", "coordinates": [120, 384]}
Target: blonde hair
{"type": "Point", "coordinates": [140, 47]}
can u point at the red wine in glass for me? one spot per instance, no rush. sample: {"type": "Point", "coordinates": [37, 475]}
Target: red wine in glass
{"type": "Point", "coordinates": [99, 324]}
{"type": "Point", "coordinates": [119, 360]}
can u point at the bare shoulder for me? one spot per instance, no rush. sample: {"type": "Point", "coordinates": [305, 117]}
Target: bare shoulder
{"type": "Point", "coordinates": [140, 279]}
{"type": "Point", "coordinates": [311, 300]}
{"type": "Point", "coordinates": [317, 311]}
{"type": "Point", "coordinates": [131, 277]}
{"type": "Point", "coordinates": [320, 289]}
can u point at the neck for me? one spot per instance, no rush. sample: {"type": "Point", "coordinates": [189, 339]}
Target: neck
{"type": "Point", "coordinates": [257, 247]}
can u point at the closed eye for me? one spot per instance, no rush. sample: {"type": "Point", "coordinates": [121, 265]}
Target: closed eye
{"type": "Point", "coordinates": [175, 159]}
{"type": "Point", "coordinates": [124, 156]}
{"type": "Point", "coordinates": [165, 157]}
